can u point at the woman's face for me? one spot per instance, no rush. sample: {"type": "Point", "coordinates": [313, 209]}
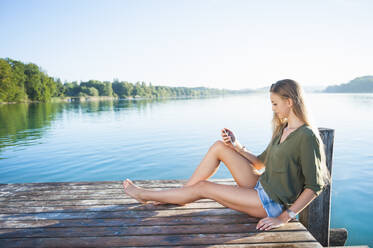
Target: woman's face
{"type": "Point", "coordinates": [281, 107]}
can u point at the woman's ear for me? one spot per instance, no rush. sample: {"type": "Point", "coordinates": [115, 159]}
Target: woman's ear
{"type": "Point", "coordinates": [290, 102]}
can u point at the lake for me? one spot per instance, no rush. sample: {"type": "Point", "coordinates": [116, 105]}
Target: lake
{"type": "Point", "coordinates": [166, 139]}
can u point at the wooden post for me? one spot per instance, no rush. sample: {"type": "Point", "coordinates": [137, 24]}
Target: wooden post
{"type": "Point", "coordinates": [316, 217]}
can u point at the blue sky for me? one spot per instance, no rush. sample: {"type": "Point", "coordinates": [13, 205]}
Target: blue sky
{"type": "Point", "coordinates": [222, 44]}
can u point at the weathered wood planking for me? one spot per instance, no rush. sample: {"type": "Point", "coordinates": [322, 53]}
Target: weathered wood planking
{"type": "Point", "coordinates": [99, 214]}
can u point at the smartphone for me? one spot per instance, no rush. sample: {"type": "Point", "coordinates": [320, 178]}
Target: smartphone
{"type": "Point", "coordinates": [230, 138]}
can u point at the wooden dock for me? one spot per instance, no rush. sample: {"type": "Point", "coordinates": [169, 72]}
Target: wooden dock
{"type": "Point", "coordinates": [99, 214]}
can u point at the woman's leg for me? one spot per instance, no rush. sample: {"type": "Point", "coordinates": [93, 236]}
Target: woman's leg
{"type": "Point", "coordinates": [238, 198]}
{"type": "Point", "coordinates": [241, 169]}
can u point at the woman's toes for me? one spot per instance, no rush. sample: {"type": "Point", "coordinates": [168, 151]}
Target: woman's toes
{"type": "Point", "coordinates": [126, 184]}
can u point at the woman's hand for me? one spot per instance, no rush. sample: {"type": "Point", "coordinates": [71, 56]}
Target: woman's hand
{"type": "Point", "coordinates": [269, 223]}
{"type": "Point", "coordinates": [229, 137]}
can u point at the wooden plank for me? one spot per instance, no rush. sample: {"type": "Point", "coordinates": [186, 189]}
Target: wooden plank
{"type": "Point", "coordinates": [171, 240]}
{"type": "Point", "coordinates": [99, 185]}
{"type": "Point", "coordinates": [123, 222]}
{"type": "Point", "coordinates": [108, 183]}
{"type": "Point", "coordinates": [76, 202]}
{"type": "Point", "coordinates": [66, 195]}
{"type": "Point", "coordinates": [338, 236]}
{"type": "Point", "coordinates": [156, 181]}
{"type": "Point", "coordinates": [65, 190]}
{"type": "Point", "coordinates": [53, 232]}
{"type": "Point", "coordinates": [120, 214]}
{"type": "Point", "coordinates": [68, 203]}
{"type": "Point", "coordinates": [108, 208]}
{"type": "Point", "coordinates": [262, 245]}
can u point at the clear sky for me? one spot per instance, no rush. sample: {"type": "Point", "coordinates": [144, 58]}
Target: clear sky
{"type": "Point", "coordinates": [222, 44]}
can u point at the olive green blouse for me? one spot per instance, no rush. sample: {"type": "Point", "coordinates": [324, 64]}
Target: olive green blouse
{"type": "Point", "coordinates": [292, 166]}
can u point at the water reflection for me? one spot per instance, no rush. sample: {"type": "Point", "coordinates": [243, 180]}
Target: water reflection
{"type": "Point", "coordinates": [21, 124]}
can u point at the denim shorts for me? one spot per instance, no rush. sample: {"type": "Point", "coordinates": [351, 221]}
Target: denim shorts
{"type": "Point", "coordinates": [272, 208]}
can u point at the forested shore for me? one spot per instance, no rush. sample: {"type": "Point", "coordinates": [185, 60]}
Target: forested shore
{"type": "Point", "coordinates": [20, 82]}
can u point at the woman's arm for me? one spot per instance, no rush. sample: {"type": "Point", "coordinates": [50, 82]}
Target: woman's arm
{"type": "Point", "coordinates": [251, 157]}
{"type": "Point", "coordinates": [230, 140]}
{"type": "Point", "coordinates": [305, 198]}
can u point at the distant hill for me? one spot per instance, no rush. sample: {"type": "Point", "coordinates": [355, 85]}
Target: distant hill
{"type": "Point", "coordinates": [263, 89]}
{"type": "Point", "coordinates": [315, 89]}
{"type": "Point", "coordinates": [308, 89]}
{"type": "Point", "coordinates": [358, 85]}
{"type": "Point", "coordinates": [241, 91]}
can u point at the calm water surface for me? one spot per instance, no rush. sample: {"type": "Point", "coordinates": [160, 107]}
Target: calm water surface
{"type": "Point", "coordinates": [166, 139]}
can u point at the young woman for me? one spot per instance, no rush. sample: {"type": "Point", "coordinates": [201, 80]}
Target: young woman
{"type": "Point", "coordinates": [294, 161]}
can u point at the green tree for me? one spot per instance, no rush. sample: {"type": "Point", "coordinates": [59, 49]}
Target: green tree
{"type": "Point", "coordinates": [138, 90]}
{"type": "Point", "coordinates": [122, 89]}
{"type": "Point", "coordinates": [60, 89]}
{"type": "Point", "coordinates": [129, 88]}
{"type": "Point", "coordinates": [152, 90]}
{"type": "Point", "coordinates": [33, 82]}
{"type": "Point", "coordinates": [89, 91]}
{"type": "Point", "coordinates": [19, 77]}
{"type": "Point", "coordinates": [7, 86]}
{"type": "Point", "coordinates": [72, 89]}
{"type": "Point", "coordinates": [108, 89]}
{"type": "Point", "coordinates": [48, 87]}
{"type": "Point", "coordinates": [100, 86]}
{"type": "Point", "coordinates": [146, 90]}
{"type": "Point", "coordinates": [11, 82]}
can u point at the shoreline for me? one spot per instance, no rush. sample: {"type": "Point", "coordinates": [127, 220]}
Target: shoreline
{"type": "Point", "coordinates": [67, 99]}
{"type": "Point", "coordinates": [100, 98]}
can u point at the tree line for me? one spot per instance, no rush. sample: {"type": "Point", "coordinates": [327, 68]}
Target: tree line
{"type": "Point", "coordinates": [28, 82]}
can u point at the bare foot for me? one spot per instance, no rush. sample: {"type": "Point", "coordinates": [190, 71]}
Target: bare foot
{"type": "Point", "coordinates": [133, 190]}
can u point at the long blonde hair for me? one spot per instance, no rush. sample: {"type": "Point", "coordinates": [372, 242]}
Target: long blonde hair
{"type": "Point", "coordinates": [290, 89]}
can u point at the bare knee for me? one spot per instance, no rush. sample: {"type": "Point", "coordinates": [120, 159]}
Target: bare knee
{"type": "Point", "coordinates": [201, 188]}
{"type": "Point", "coordinates": [217, 146]}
